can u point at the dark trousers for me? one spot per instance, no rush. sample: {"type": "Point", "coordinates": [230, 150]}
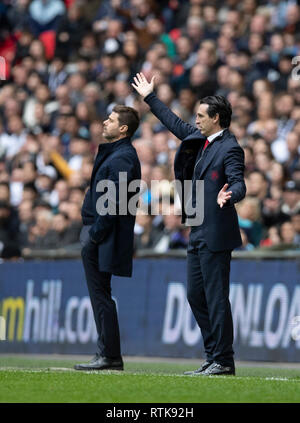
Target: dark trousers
{"type": "Point", "coordinates": [104, 307]}
{"type": "Point", "coordinates": [208, 296]}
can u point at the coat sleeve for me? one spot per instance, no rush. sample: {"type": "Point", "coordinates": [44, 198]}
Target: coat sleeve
{"type": "Point", "coordinates": [176, 125]}
{"type": "Point", "coordinates": [86, 209]}
{"type": "Point", "coordinates": [109, 205]}
{"type": "Point", "coordinates": [234, 171]}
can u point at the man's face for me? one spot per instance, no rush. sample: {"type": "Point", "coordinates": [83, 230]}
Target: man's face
{"type": "Point", "coordinates": [206, 124]}
{"type": "Point", "coordinates": [111, 128]}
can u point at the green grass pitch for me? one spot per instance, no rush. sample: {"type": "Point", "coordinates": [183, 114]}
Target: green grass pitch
{"type": "Point", "coordinates": [36, 380]}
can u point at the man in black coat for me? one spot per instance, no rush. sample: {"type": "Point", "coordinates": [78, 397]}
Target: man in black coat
{"type": "Point", "coordinates": [108, 215]}
{"type": "Point", "coordinates": [209, 153]}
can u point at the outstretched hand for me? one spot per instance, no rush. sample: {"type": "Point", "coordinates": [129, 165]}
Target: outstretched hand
{"type": "Point", "coordinates": [223, 196]}
{"type": "Point", "coordinates": [142, 86]}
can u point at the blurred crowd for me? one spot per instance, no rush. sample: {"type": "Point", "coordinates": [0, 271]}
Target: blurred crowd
{"type": "Point", "coordinates": [67, 63]}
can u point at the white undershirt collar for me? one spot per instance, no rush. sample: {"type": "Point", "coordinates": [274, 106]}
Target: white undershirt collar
{"type": "Point", "coordinates": [213, 136]}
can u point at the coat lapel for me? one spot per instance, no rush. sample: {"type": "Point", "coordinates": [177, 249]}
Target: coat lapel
{"type": "Point", "coordinates": [101, 156]}
{"type": "Point", "coordinates": [193, 143]}
{"type": "Point", "coordinates": [105, 150]}
{"type": "Point", "coordinates": [216, 145]}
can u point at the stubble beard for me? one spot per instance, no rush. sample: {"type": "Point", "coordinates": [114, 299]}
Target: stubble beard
{"type": "Point", "coordinates": [108, 137]}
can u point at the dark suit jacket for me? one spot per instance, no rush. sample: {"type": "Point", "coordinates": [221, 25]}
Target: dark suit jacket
{"type": "Point", "coordinates": [223, 163]}
{"type": "Point", "coordinates": [113, 233]}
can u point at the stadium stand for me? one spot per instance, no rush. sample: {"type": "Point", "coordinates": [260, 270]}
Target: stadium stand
{"type": "Point", "coordinates": [67, 63]}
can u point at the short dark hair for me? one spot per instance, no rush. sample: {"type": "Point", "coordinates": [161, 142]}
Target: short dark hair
{"type": "Point", "coordinates": [262, 174]}
{"type": "Point", "coordinates": [128, 116]}
{"type": "Point", "coordinates": [4, 205]}
{"type": "Point", "coordinates": [30, 186]}
{"type": "Point", "coordinates": [4, 184]}
{"type": "Point", "coordinates": [217, 104]}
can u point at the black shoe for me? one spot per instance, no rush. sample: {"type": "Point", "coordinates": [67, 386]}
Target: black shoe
{"type": "Point", "coordinates": [101, 363]}
{"type": "Point", "coordinates": [201, 369]}
{"type": "Point", "coordinates": [216, 369]}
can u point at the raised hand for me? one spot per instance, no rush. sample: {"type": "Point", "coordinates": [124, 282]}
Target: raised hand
{"type": "Point", "coordinates": [223, 196]}
{"type": "Point", "coordinates": [142, 86]}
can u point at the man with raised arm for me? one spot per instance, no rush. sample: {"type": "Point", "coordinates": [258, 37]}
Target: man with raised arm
{"type": "Point", "coordinates": [208, 153]}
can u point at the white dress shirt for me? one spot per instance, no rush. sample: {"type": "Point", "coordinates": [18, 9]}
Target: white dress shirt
{"type": "Point", "coordinates": [213, 136]}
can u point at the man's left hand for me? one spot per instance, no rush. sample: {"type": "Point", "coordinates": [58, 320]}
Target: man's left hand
{"type": "Point", "coordinates": [223, 196]}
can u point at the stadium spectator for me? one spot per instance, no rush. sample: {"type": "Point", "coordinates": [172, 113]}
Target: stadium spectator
{"type": "Point", "coordinates": [62, 233]}
{"type": "Point", "coordinates": [174, 235]}
{"type": "Point", "coordinates": [246, 245]}
{"type": "Point", "coordinates": [70, 31]}
{"type": "Point", "coordinates": [143, 233]}
{"type": "Point", "coordinates": [45, 15]}
{"type": "Point", "coordinates": [291, 198]}
{"type": "Point", "coordinates": [295, 219]}
{"type": "Point", "coordinates": [249, 216]}
{"type": "Point", "coordinates": [26, 219]}
{"type": "Point", "coordinates": [272, 238]}
{"type": "Point", "coordinates": [9, 234]}
{"type": "Point", "coordinates": [288, 233]}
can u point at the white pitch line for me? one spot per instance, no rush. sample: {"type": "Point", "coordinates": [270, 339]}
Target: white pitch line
{"type": "Point", "coordinates": [121, 373]}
